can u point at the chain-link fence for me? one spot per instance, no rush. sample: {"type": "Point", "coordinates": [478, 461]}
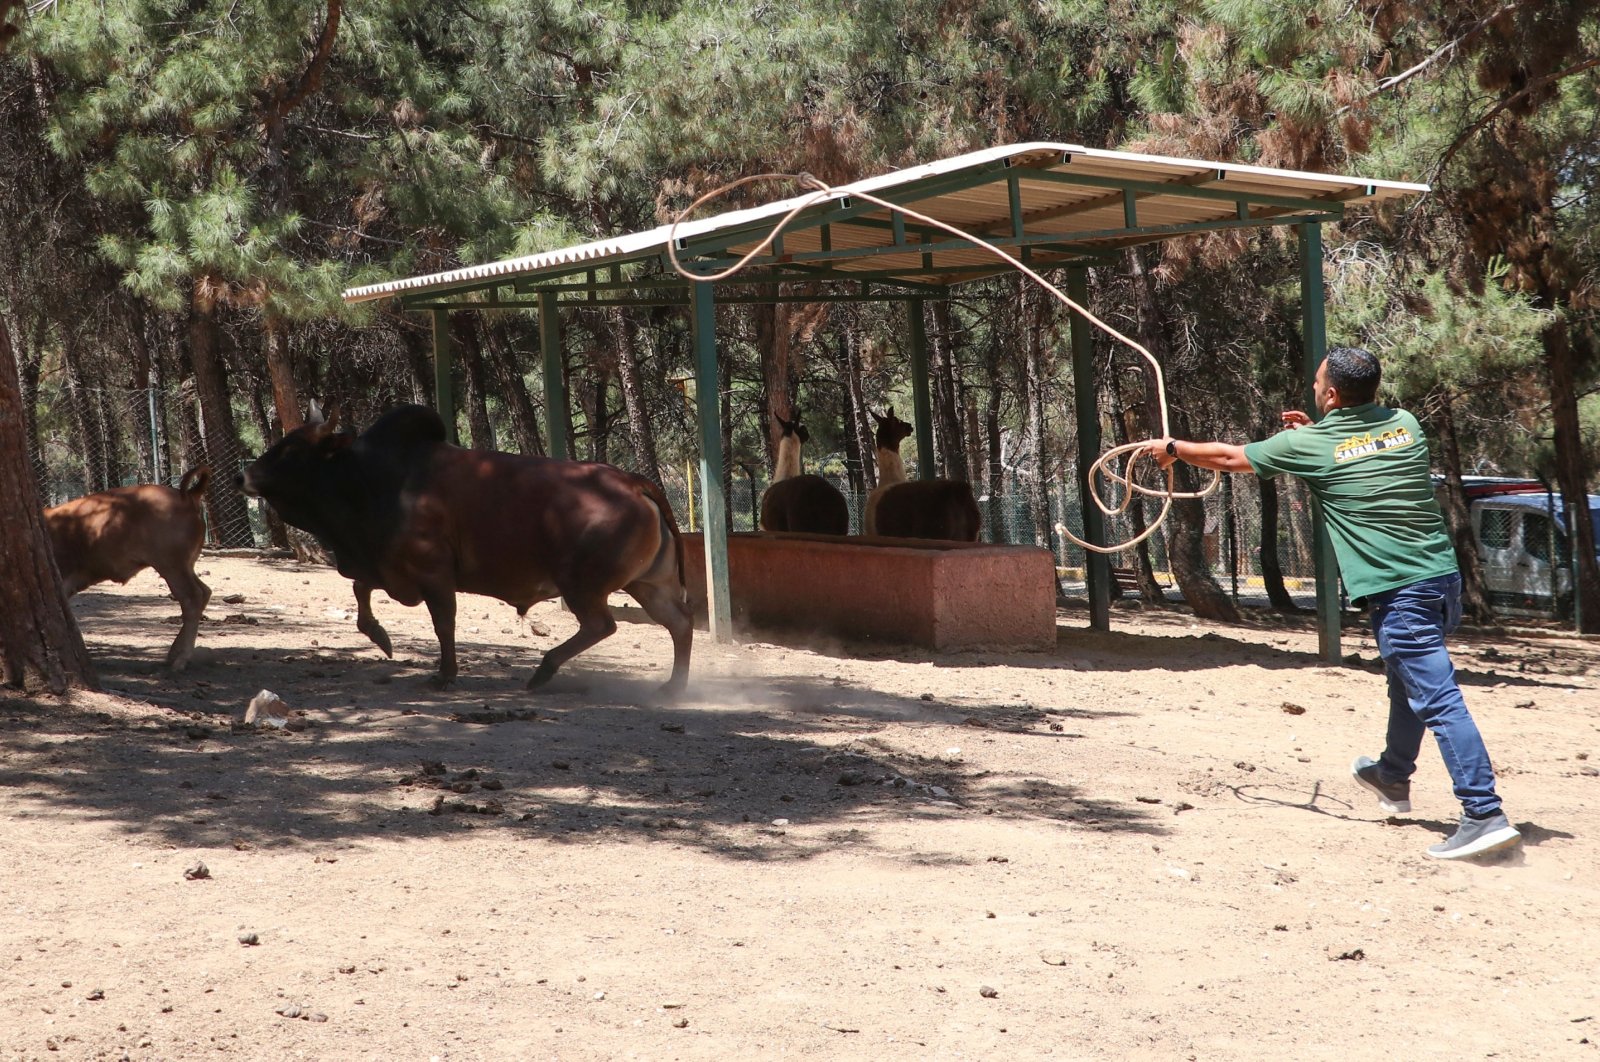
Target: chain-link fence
{"type": "Point", "coordinates": [96, 439]}
{"type": "Point", "coordinates": [92, 439]}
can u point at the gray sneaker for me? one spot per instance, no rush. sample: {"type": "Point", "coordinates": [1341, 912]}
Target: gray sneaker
{"type": "Point", "coordinates": [1393, 797]}
{"type": "Point", "coordinates": [1476, 837]}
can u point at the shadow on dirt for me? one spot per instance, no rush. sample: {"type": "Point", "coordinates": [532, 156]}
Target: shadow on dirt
{"type": "Point", "coordinates": [597, 757]}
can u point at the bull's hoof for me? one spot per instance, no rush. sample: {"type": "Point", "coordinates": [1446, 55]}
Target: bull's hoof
{"type": "Point", "coordinates": [380, 637]}
{"type": "Point", "coordinates": [439, 682]}
{"type": "Point", "coordinates": [540, 680]}
{"type": "Point", "coordinates": [673, 688]}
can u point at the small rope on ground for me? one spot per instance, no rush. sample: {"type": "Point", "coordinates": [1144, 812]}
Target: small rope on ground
{"type": "Point", "coordinates": [1101, 475]}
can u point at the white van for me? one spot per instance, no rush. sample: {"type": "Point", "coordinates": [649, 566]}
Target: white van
{"type": "Point", "coordinates": [1521, 532]}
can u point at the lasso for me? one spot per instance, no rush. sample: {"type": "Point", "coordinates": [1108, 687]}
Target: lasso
{"type": "Point", "coordinates": [1101, 475]}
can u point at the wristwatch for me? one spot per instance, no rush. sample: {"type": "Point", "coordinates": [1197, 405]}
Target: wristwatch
{"type": "Point", "coordinates": [1172, 448]}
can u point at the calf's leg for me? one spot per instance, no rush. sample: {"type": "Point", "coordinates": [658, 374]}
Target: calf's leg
{"type": "Point", "coordinates": [192, 596]}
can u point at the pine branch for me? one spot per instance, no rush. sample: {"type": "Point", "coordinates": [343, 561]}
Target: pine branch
{"type": "Point", "coordinates": [1495, 111]}
{"type": "Point", "coordinates": [311, 77]}
{"type": "Point", "coordinates": [1441, 52]}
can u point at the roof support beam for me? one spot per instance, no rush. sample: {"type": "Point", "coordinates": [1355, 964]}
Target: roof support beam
{"type": "Point", "coordinates": [1314, 333]}
{"type": "Point", "coordinates": [1186, 191]}
{"type": "Point", "coordinates": [557, 421]}
{"type": "Point", "coordinates": [1096, 566]}
{"type": "Point", "coordinates": [713, 503]}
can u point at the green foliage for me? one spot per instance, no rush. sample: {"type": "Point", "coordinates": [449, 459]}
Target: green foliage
{"type": "Point", "coordinates": [1430, 334]}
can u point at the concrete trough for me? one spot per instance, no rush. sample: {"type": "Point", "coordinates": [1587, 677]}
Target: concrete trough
{"type": "Point", "coordinates": [937, 595]}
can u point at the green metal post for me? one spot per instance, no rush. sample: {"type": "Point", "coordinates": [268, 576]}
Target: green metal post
{"type": "Point", "coordinates": [713, 505]}
{"type": "Point", "coordinates": [1314, 334]}
{"type": "Point", "coordinates": [444, 395]}
{"type": "Point", "coordinates": [1096, 566]}
{"type": "Point", "coordinates": [556, 423]}
{"type": "Point", "coordinates": [921, 404]}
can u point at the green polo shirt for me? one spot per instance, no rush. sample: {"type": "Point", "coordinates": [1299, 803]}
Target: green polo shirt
{"type": "Point", "coordinates": [1368, 466]}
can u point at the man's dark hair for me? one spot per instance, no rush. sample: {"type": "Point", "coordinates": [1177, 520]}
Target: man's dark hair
{"type": "Point", "coordinates": [1354, 373]}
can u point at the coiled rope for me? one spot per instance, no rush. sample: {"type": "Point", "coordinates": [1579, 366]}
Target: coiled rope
{"type": "Point", "coordinates": [1101, 475]}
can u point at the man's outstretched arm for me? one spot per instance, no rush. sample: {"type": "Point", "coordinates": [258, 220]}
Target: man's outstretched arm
{"type": "Point", "coordinates": [1217, 456]}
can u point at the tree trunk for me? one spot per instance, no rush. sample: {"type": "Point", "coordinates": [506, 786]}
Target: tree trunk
{"type": "Point", "coordinates": [1144, 571]}
{"type": "Point", "coordinates": [1271, 566]}
{"type": "Point", "coordinates": [1186, 527]}
{"type": "Point", "coordinates": [514, 391]}
{"type": "Point", "coordinates": [976, 448]}
{"type": "Point", "coordinates": [82, 422]}
{"type": "Point", "coordinates": [641, 435]}
{"type": "Point", "coordinates": [144, 439]}
{"type": "Point", "coordinates": [860, 426]}
{"type": "Point", "coordinates": [277, 530]}
{"type": "Point", "coordinates": [996, 471]}
{"type": "Point", "coordinates": [1572, 470]}
{"type": "Point", "coordinates": [470, 348]}
{"type": "Point", "coordinates": [592, 399]}
{"type": "Point", "coordinates": [280, 369]}
{"type": "Point", "coordinates": [230, 524]}
{"type": "Point", "coordinates": [777, 393]}
{"type": "Point", "coordinates": [419, 359]}
{"type": "Point", "coordinates": [108, 433]}
{"type": "Point", "coordinates": [40, 645]}
{"type": "Point", "coordinates": [28, 378]}
{"type": "Point", "coordinates": [949, 446]}
{"type": "Point", "coordinates": [1474, 601]}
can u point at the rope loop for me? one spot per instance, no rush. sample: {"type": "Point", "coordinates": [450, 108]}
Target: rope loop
{"type": "Point", "coordinates": [1102, 476]}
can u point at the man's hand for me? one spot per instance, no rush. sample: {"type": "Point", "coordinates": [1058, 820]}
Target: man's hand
{"type": "Point", "coordinates": [1293, 418]}
{"type": "Point", "coordinates": [1157, 450]}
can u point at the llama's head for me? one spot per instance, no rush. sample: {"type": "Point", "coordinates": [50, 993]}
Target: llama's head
{"type": "Point", "coordinates": [891, 430]}
{"type": "Point", "coordinates": [793, 427]}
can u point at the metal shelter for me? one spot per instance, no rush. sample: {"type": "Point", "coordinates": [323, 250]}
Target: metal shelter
{"type": "Point", "coordinates": [1051, 205]}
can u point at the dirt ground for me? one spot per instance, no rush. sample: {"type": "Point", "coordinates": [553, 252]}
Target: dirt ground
{"type": "Point", "coordinates": [1141, 845]}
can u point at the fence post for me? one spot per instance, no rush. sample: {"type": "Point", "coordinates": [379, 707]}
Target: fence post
{"type": "Point", "coordinates": [157, 475]}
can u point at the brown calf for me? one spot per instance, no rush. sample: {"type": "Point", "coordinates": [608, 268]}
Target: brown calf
{"type": "Point", "coordinates": [116, 534]}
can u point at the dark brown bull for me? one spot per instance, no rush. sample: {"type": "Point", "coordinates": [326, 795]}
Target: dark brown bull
{"type": "Point", "coordinates": [404, 512]}
{"type": "Point", "coordinates": [116, 534]}
{"type": "Point", "coordinates": [917, 508]}
{"type": "Point", "coordinates": [796, 501]}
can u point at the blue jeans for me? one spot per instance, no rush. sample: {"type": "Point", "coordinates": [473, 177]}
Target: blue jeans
{"type": "Point", "coordinates": [1410, 624]}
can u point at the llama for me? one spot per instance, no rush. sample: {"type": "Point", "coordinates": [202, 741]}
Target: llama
{"type": "Point", "coordinates": [916, 508]}
{"type": "Point", "coordinates": [799, 502]}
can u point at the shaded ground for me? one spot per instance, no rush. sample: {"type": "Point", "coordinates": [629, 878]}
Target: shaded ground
{"type": "Point", "coordinates": [1142, 845]}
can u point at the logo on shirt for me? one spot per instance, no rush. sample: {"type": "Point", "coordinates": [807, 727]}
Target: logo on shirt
{"type": "Point", "coordinates": [1365, 444]}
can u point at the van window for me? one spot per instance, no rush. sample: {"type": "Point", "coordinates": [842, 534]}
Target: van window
{"type": "Point", "coordinates": [1494, 528]}
{"type": "Point", "coordinates": [1536, 536]}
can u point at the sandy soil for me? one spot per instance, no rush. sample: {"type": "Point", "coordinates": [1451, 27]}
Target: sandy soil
{"type": "Point", "coordinates": [1142, 845]}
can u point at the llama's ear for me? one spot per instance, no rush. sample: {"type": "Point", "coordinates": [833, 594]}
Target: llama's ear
{"type": "Point", "coordinates": [874, 414]}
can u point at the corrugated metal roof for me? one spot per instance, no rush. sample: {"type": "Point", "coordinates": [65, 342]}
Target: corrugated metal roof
{"type": "Point", "coordinates": [1065, 190]}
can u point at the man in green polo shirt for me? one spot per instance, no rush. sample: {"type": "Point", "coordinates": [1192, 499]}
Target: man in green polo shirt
{"type": "Point", "coordinates": [1368, 466]}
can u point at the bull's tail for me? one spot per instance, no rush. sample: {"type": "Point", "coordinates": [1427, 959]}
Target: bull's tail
{"type": "Point", "coordinates": [194, 481]}
{"type": "Point", "coordinates": [652, 490]}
